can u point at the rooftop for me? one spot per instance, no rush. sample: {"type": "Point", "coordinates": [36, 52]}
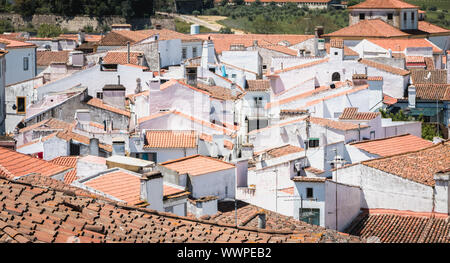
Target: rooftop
{"type": "Point", "coordinates": [197, 165]}
{"type": "Point", "coordinates": [45, 58]}
{"type": "Point", "coordinates": [423, 76]}
{"type": "Point", "coordinates": [170, 139]}
{"type": "Point", "coordinates": [393, 145]}
{"type": "Point", "coordinates": [338, 125]}
{"type": "Point", "coordinates": [281, 151]}
{"type": "Point", "coordinates": [68, 161]}
{"type": "Point", "coordinates": [98, 103]}
{"type": "Point", "coordinates": [391, 226]}
{"type": "Point", "coordinates": [121, 57]}
{"type": "Point", "coordinates": [351, 113]}
{"type": "Point", "coordinates": [14, 164]}
{"type": "Point", "coordinates": [370, 28]}
{"type": "Point", "coordinates": [397, 45]}
{"type": "Point", "coordinates": [433, 92]}
{"type": "Point", "coordinates": [418, 166]}
{"type": "Point", "coordinates": [383, 4]}
{"type": "Point", "coordinates": [384, 67]}
{"type": "Point", "coordinates": [54, 213]}
{"type": "Point", "coordinates": [258, 85]}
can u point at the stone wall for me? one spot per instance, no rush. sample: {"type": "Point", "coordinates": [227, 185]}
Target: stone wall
{"type": "Point", "coordinates": [74, 24]}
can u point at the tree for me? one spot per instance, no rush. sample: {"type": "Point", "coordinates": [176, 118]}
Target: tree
{"type": "Point", "coordinates": [238, 2]}
{"type": "Point", "coordinates": [47, 30]}
{"type": "Point", "coordinates": [224, 2]}
{"type": "Point", "coordinates": [25, 8]}
{"type": "Point", "coordinates": [226, 30]}
{"type": "Point", "coordinates": [6, 26]}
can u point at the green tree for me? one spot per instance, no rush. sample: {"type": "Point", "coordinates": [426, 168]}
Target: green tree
{"type": "Point", "coordinates": [6, 26]}
{"type": "Point", "coordinates": [47, 30]}
{"type": "Point", "coordinates": [226, 30]}
{"type": "Point", "coordinates": [25, 8]}
{"type": "Point", "coordinates": [238, 2]}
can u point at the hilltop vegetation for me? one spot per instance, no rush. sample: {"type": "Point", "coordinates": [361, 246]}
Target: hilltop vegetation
{"type": "Point", "coordinates": [95, 8]}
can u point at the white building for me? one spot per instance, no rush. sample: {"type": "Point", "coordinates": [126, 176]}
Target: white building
{"type": "Point", "coordinates": [21, 60]}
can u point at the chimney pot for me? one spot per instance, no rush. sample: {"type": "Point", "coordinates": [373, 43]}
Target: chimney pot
{"type": "Point", "coordinates": [262, 220]}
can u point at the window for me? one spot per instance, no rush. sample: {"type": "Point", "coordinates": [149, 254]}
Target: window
{"type": "Point", "coordinates": [309, 192]}
{"type": "Point", "coordinates": [184, 53]}
{"type": "Point", "coordinates": [362, 16]}
{"type": "Point", "coordinates": [21, 105]}
{"type": "Point", "coordinates": [390, 16]}
{"type": "Point", "coordinates": [258, 102]}
{"type": "Point", "coordinates": [313, 143]}
{"type": "Point", "coordinates": [25, 63]}
{"type": "Point", "coordinates": [336, 76]}
{"type": "Point", "coordinates": [310, 215]}
{"type": "Point", "coordinates": [74, 149]}
{"type": "Point", "coordinates": [168, 209]}
{"type": "Point", "coordinates": [194, 52]}
{"type": "Point", "coordinates": [412, 16]}
{"type": "Point", "coordinates": [372, 135]}
{"type": "Point", "coordinates": [264, 67]}
{"type": "Point", "coordinates": [404, 16]}
{"type": "Point", "coordinates": [100, 95]}
{"type": "Point", "coordinates": [152, 157]}
{"type": "Point", "coordinates": [336, 53]}
{"type": "Point", "coordinates": [233, 76]}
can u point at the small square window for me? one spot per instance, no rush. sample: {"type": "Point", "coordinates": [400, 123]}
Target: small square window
{"type": "Point", "coordinates": [100, 95]}
{"type": "Point", "coordinates": [362, 16]}
{"type": "Point", "coordinates": [390, 16]}
{"type": "Point", "coordinates": [336, 53]}
{"type": "Point", "coordinates": [309, 192]}
{"type": "Point", "coordinates": [184, 53]}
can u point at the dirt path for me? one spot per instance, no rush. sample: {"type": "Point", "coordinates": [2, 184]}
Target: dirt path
{"type": "Point", "coordinates": [206, 21]}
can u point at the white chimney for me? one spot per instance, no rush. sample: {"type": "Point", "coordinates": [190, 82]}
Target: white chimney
{"type": "Point", "coordinates": [411, 96]}
{"type": "Point", "coordinates": [93, 146]}
{"type": "Point", "coordinates": [118, 147]}
{"type": "Point", "coordinates": [152, 189]}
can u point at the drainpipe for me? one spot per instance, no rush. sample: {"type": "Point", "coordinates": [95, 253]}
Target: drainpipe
{"type": "Point", "coordinates": [128, 52]}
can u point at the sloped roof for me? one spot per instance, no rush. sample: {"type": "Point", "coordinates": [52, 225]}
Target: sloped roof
{"type": "Point", "coordinates": [68, 135]}
{"type": "Point", "coordinates": [368, 28]}
{"type": "Point", "coordinates": [402, 44]}
{"type": "Point", "coordinates": [170, 139]}
{"type": "Point", "coordinates": [433, 92]}
{"type": "Point", "coordinates": [384, 67]}
{"type": "Point", "coordinates": [338, 125]}
{"type": "Point", "coordinates": [431, 28]}
{"type": "Point", "coordinates": [45, 58]}
{"type": "Point", "coordinates": [121, 57]}
{"type": "Point", "coordinates": [418, 166]}
{"type": "Point", "coordinates": [281, 151]}
{"type": "Point", "coordinates": [393, 145]}
{"type": "Point", "coordinates": [197, 165]}
{"type": "Point", "coordinates": [222, 42]}
{"type": "Point", "coordinates": [51, 212]}
{"type": "Point", "coordinates": [351, 113]}
{"type": "Point", "coordinates": [392, 226]}
{"type": "Point", "coordinates": [68, 161]}
{"type": "Point", "coordinates": [383, 4]}
{"type": "Point", "coordinates": [98, 103]}
{"type": "Point", "coordinates": [49, 124]}
{"type": "Point", "coordinates": [14, 164]}
{"type": "Point", "coordinates": [258, 85]}
{"type": "Point", "coordinates": [424, 76]}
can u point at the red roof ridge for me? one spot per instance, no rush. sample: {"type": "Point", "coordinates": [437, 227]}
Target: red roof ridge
{"type": "Point", "coordinates": [375, 211]}
{"type": "Point", "coordinates": [380, 139]}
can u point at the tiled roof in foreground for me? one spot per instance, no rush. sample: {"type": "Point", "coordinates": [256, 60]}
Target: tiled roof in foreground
{"type": "Point", "coordinates": [248, 217]}
{"type": "Point", "coordinates": [395, 227]}
{"type": "Point", "coordinates": [50, 214]}
{"type": "Point", "coordinates": [68, 161]}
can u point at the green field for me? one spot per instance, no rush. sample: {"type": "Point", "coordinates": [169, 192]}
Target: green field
{"type": "Point", "coordinates": [440, 4]}
{"type": "Point", "coordinates": [183, 27]}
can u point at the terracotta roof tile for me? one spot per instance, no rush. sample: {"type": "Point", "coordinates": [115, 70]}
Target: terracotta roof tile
{"type": "Point", "coordinates": [281, 151]}
{"type": "Point", "coordinates": [418, 166]}
{"type": "Point", "coordinates": [352, 113]}
{"type": "Point", "coordinates": [367, 29]}
{"type": "Point", "coordinates": [393, 145]}
{"type": "Point", "coordinates": [15, 164]}
{"type": "Point", "coordinates": [68, 135]}
{"type": "Point", "coordinates": [68, 161]}
{"type": "Point", "coordinates": [399, 45]}
{"type": "Point", "coordinates": [388, 100]}
{"type": "Point", "coordinates": [121, 58]}
{"type": "Point", "coordinates": [63, 215]}
{"type": "Point", "coordinates": [222, 42]}
{"type": "Point", "coordinates": [170, 139]}
{"type": "Point", "coordinates": [197, 165]}
{"type": "Point", "coordinates": [309, 179]}
{"type": "Point", "coordinates": [431, 28]}
{"type": "Point", "coordinates": [49, 124]}
{"type": "Point", "coordinates": [384, 67]}
{"type": "Point", "coordinates": [98, 103]}
{"type": "Point", "coordinates": [383, 4]}
{"type": "Point", "coordinates": [14, 43]}
{"type": "Point", "coordinates": [306, 65]}
{"type": "Point", "coordinates": [45, 58]}
{"type": "Point", "coordinates": [338, 125]}
{"type": "Point", "coordinates": [258, 85]}
{"type": "Point", "coordinates": [394, 227]}
{"type": "Point", "coordinates": [433, 92]}
{"type": "Point", "coordinates": [423, 76]}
